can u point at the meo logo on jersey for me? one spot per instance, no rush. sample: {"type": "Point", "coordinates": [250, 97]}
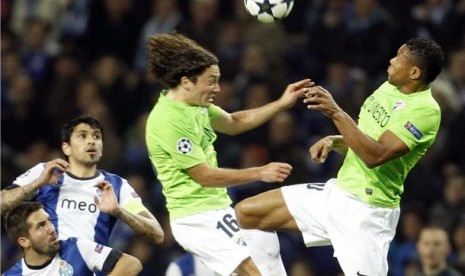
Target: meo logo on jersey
{"type": "Point", "coordinates": [184, 145]}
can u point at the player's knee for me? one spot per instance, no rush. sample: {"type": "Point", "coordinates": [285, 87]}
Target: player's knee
{"type": "Point", "coordinates": [244, 214]}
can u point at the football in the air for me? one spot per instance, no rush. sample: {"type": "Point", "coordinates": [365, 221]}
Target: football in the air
{"type": "Point", "coordinates": [269, 11]}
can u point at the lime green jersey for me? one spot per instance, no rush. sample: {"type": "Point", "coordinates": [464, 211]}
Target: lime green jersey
{"type": "Point", "coordinates": [179, 136]}
{"type": "Point", "coordinates": [413, 118]}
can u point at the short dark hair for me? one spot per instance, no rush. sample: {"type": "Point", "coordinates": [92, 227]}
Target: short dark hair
{"type": "Point", "coordinates": [16, 219]}
{"type": "Point", "coordinates": [69, 126]}
{"type": "Point", "coordinates": [428, 56]}
{"type": "Point", "coordinates": [173, 56]}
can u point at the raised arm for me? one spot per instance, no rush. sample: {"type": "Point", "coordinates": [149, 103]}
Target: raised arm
{"type": "Point", "coordinates": [221, 177]}
{"type": "Point", "coordinates": [143, 223]}
{"type": "Point", "coordinates": [51, 173]}
{"type": "Point", "coordinates": [241, 121]}
{"type": "Point", "coordinates": [372, 152]}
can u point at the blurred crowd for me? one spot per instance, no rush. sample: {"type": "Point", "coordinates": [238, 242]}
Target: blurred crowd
{"type": "Point", "coordinates": [63, 58]}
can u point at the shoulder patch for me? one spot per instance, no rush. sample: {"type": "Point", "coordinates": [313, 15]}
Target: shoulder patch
{"type": "Point", "coordinates": [399, 105]}
{"type": "Point", "coordinates": [98, 248]}
{"type": "Point", "coordinates": [413, 130]}
{"type": "Point", "coordinates": [184, 145]}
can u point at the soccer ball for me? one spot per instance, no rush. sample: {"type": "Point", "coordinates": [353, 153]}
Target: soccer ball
{"type": "Point", "coordinates": [268, 11]}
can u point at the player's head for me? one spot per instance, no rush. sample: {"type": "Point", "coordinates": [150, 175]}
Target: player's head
{"type": "Point", "coordinates": [433, 246]}
{"type": "Point", "coordinates": [428, 56]}
{"type": "Point", "coordinates": [82, 140]}
{"type": "Point", "coordinates": [173, 56]}
{"type": "Point", "coordinates": [419, 60]}
{"type": "Point", "coordinates": [29, 226]}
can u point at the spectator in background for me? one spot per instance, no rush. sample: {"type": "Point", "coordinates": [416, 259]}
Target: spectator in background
{"type": "Point", "coordinates": [448, 211]}
{"type": "Point", "coordinates": [403, 249]}
{"type": "Point", "coordinates": [11, 68]}
{"type": "Point", "coordinates": [458, 246]}
{"type": "Point", "coordinates": [165, 17]}
{"type": "Point", "coordinates": [49, 11]}
{"type": "Point", "coordinates": [203, 23]}
{"type": "Point", "coordinates": [326, 21]}
{"type": "Point", "coordinates": [61, 93]}
{"type": "Point", "coordinates": [284, 146]}
{"type": "Point", "coordinates": [368, 43]}
{"type": "Point", "coordinates": [433, 18]}
{"type": "Point", "coordinates": [116, 90]}
{"type": "Point", "coordinates": [433, 248]}
{"type": "Point", "coordinates": [113, 30]}
{"type": "Point", "coordinates": [256, 94]}
{"type": "Point", "coordinates": [38, 52]}
{"type": "Point", "coordinates": [24, 115]}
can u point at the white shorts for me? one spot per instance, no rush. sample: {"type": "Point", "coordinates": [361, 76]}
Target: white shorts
{"type": "Point", "coordinates": [360, 233]}
{"type": "Point", "coordinates": [215, 237]}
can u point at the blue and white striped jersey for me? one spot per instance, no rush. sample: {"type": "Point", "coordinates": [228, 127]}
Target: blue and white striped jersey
{"type": "Point", "coordinates": [75, 257]}
{"type": "Point", "coordinates": [70, 203]}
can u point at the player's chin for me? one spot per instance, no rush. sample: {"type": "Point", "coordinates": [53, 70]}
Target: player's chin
{"type": "Point", "coordinates": [207, 103]}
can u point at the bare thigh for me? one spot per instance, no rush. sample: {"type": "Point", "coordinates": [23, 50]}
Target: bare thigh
{"type": "Point", "coordinates": [266, 211]}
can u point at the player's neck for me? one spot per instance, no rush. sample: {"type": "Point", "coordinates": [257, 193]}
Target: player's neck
{"type": "Point", "coordinates": [32, 258]}
{"type": "Point", "coordinates": [82, 171]}
{"type": "Point", "coordinates": [413, 88]}
{"type": "Point", "coordinates": [177, 94]}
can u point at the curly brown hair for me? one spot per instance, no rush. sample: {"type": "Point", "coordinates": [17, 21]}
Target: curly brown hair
{"type": "Point", "coordinates": [173, 56]}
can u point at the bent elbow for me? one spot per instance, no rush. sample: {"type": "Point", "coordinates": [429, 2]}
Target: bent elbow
{"type": "Point", "coordinates": [373, 163]}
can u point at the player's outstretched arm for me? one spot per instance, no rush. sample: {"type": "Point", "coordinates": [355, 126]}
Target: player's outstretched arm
{"type": "Point", "coordinates": [242, 121]}
{"type": "Point", "coordinates": [143, 224]}
{"type": "Point", "coordinates": [127, 265]}
{"type": "Point", "coordinates": [222, 177]}
{"type": "Point", "coordinates": [51, 173]}
{"type": "Point", "coordinates": [372, 152]}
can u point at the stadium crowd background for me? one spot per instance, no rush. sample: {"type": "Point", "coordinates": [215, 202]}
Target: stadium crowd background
{"type": "Point", "coordinates": [63, 58]}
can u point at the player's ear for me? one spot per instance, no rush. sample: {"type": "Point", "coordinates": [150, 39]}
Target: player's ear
{"type": "Point", "coordinates": [186, 83]}
{"type": "Point", "coordinates": [24, 242]}
{"type": "Point", "coordinates": [66, 149]}
{"type": "Point", "coordinates": [415, 73]}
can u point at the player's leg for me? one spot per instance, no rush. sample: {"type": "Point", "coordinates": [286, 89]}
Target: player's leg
{"type": "Point", "coordinates": [360, 233]}
{"type": "Point", "coordinates": [247, 267]}
{"type": "Point", "coordinates": [265, 251]}
{"type": "Point", "coordinates": [217, 240]}
{"type": "Point", "coordinates": [267, 211]}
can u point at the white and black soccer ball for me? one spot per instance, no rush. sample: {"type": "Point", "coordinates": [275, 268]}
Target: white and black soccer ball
{"type": "Point", "coordinates": [269, 11]}
{"type": "Point", "coordinates": [184, 145]}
